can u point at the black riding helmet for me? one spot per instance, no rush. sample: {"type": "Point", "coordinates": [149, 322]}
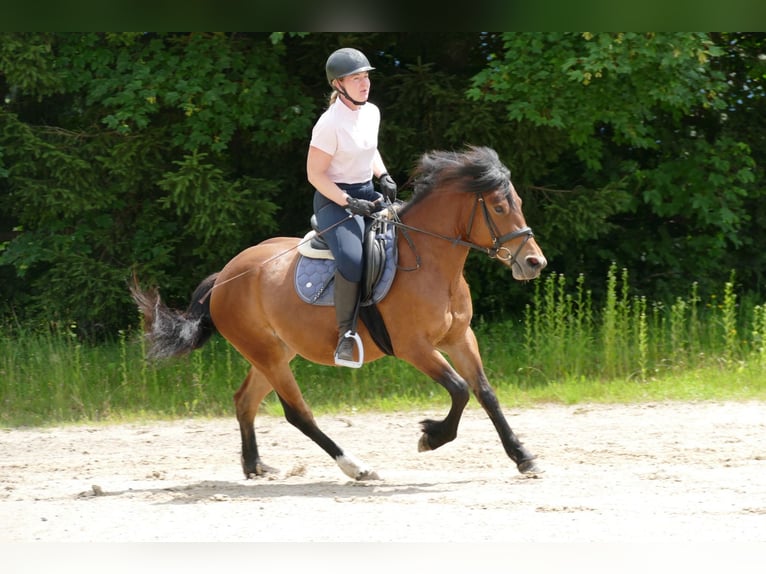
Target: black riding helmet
{"type": "Point", "coordinates": [345, 62]}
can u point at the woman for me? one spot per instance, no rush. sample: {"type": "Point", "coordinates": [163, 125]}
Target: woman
{"type": "Point", "coordinates": [343, 157]}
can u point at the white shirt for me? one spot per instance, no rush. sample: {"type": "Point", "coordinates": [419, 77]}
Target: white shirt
{"type": "Point", "coordinates": [351, 138]}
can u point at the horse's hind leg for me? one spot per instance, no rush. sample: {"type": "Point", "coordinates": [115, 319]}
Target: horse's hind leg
{"type": "Point", "coordinates": [247, 400]}
{"type": "Point", "coordinates": [298, 413]}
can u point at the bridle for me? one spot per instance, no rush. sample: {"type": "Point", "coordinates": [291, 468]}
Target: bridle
{"type": "Point", "coordinates": [496, 250]}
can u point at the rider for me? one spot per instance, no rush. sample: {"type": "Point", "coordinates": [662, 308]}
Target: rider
{"type": "Point", "coordinates": [342, 159]}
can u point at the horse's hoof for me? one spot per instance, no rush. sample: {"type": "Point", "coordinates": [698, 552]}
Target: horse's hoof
{"type": "Point", "coordinates": [423, 445]}
{"type": "Point", "coordinates": [266, 469]}
{"type": "Point", "coordinates": [529, 467]}
{"type": "Point", "coordinates": [259, 470]}
{"type": "Point", "coordinates": [251, 473]}
{"type": "Point", "coordinates": [367, 475]}
{"type": "Point", "coordinates": [353, 468]}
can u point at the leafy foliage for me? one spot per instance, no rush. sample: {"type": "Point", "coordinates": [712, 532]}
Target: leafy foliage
{"type": "Point", "coordinates": [164, 154]}
{"type": "Point", "coordinates": [635, 125]}
{"type": "Point", "coordinates": [126, 163]}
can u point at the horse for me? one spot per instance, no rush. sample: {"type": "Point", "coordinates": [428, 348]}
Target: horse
{"type": "Point", "coordinates": [460, 201]}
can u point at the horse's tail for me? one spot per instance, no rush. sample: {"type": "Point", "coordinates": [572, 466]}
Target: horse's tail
{"type": "Point", "coordinates": [171, 333]}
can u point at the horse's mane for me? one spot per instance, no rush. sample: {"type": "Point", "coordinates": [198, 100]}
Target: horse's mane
{"type": "Point", "coordinates": [477, 169]}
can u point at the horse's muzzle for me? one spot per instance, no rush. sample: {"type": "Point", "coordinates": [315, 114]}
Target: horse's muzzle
{"type": "Point", "coordinates": [528, 266]}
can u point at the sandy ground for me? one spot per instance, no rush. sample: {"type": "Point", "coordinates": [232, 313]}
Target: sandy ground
{"type": "Point", "coordinates": [656, 473]}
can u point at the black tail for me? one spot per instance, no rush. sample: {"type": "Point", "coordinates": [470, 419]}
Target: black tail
{"type": "Point", "coordinates": [169, 332]}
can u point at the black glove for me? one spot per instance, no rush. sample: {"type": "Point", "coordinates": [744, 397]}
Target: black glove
{"type": "Point", "coordinates": [388, 187]}
{"type": "Point", "coordinates": [361, 206]}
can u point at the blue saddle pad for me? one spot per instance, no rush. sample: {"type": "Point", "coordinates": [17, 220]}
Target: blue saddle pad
{"type": "Point", "coordinates": [314, 277]}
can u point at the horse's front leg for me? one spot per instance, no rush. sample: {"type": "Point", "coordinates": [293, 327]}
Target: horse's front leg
{"type": "Point", "coordinates": [436, 433]}
{"type": "Point", "coordinates": [465, 355]}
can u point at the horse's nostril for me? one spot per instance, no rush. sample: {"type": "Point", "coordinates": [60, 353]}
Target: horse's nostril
{"type": "Point", "coordinates": [536, 262]}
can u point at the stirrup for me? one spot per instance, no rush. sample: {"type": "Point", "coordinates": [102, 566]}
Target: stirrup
{"type": "Point", "coordinates": [353, 364]}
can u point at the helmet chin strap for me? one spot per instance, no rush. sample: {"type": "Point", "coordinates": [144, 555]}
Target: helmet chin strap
{"type": "Point", "coordinates": [344, 93]}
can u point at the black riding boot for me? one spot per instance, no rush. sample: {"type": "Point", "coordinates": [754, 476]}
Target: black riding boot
{"type": "Point", "coordinates": [346, 301]}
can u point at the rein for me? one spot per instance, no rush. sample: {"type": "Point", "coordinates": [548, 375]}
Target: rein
{"type": "Point", "coordinates": [272, 258]}
{"type": "Point", "coordinates": [496, 250]}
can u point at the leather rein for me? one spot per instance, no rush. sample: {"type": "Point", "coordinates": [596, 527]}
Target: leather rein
{"type": "Point", "coordinates": [496, 250]}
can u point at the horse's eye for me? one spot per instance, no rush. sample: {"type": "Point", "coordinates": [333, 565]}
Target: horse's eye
{"type": "Point", "coordinates": [499, 209]}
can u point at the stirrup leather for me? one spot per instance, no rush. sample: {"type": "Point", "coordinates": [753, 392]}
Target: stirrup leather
{"type": "Point", "coordinates": [351, 363]}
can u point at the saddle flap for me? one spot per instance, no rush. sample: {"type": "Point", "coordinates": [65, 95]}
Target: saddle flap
{"type": "Point", "coordinates": [374, 258]}
{"type": "Point", "coordinates": [314, 272]}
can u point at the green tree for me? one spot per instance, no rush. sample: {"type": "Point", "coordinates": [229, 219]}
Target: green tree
{"type": "Point", "coordinates": [166, 154]}
{"type": "Point", "coordinates": [636, 168]}
{"type": "Point", "coordinates": [137, 152]}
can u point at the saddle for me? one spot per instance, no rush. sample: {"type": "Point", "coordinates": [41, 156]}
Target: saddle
{"type": "Point", "coordinates": [315, 271]}
{"type": "Point", "coordinates": [316, 265]}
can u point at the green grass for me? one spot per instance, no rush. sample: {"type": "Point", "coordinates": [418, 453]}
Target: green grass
{"type": "Point", "coordinates": [564, 350]}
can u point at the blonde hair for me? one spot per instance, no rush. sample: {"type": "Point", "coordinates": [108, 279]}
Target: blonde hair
{"type": "Point", "coordinates": [334, 94]}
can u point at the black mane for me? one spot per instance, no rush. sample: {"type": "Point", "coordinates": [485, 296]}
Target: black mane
{"type": "Point", "coordinates": [478, 169]}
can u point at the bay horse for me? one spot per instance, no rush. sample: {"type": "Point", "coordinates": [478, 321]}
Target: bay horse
{"type": "Point", "coordinates": [461, 201]}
